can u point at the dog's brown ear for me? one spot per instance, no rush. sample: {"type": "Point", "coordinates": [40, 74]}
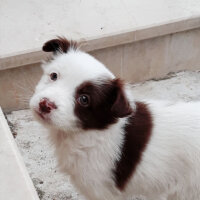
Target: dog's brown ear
{"type": "Point", "coordinates": [59, 45]}
{"type": "Point", "coordinates": [121, 106]}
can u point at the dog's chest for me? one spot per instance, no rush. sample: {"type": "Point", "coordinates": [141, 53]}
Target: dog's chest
{"type": "Point", "coordinates": [89, 162]}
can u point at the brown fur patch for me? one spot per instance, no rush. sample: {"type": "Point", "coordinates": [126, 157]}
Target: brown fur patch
{"type": "Point", "coordinates": [107, 104]}
{"type": "Point", "coordinates": [137, 135]}
{"type": "Point", "coordinates": [61, 45]}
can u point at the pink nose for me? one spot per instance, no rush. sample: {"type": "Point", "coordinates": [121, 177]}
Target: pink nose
{"type": "Point", "coordinates": [46, 106]}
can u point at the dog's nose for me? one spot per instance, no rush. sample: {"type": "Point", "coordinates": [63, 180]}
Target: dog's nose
{"type": "Point", "coordinates": [46, 106]}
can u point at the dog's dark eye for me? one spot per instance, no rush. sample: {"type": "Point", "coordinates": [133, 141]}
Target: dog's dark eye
{"type": "Point", "coordinates": [84, 100]}
{"type": "Point", "coordinates": [53, 76]}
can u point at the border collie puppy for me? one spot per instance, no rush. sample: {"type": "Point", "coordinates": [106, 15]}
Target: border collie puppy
{"type": "Point", "coordinates": [113, 147]}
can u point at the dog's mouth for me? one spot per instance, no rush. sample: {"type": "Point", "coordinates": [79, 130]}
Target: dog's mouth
{"type": "Point", "coordinates": [42, 115]}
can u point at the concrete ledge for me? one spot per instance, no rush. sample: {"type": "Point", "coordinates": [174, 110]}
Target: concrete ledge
{"type": "Point", "coordinates": [91, 44]}
{"type": "Point", "coordinates": [98, 24]}
{"type": "Point", "coordinates": [15, 183]}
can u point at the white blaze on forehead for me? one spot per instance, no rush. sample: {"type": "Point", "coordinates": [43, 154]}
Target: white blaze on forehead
{"type": "Point", "coordinates": [77, 67]}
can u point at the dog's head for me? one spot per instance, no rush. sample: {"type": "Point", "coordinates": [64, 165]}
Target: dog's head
{"type": "Point", "coordinates": [76, 91]}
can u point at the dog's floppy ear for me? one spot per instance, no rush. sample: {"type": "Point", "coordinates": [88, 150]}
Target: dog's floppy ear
{"type": "Point", "coordinates": [121, 106]}
{"type": "Point", "coordinates": [59, 45]}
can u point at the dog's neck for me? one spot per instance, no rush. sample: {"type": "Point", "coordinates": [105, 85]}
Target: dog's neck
{"type": "Point", "coordinates": [75, 147]}
{"type": "Point", "coordinates": [81, 136]}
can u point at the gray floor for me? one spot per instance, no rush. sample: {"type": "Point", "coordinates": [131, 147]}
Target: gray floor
{"type": "Point", "coordinates": [38, 155]}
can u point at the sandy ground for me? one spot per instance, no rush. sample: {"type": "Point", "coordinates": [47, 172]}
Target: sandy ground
{"type": "Point", "coordinates": [38, 155]}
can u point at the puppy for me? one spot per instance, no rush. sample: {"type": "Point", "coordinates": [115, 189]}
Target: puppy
{"type": "Point", "coordinates": [113, 147]}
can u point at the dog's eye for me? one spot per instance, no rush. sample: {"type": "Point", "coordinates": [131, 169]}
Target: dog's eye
{"type": "Point", "coordinates": [84, 100]}
{"type": "Point", "coordinates": [53, 76]}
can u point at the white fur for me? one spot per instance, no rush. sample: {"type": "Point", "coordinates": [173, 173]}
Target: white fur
{"type": "Point", "coordinates": [170, 165]}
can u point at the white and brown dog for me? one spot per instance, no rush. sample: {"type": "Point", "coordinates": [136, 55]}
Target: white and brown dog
{"type": "Point", "coordinates": [112, 146]}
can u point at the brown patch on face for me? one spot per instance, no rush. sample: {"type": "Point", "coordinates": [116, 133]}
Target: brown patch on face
{"type": "Point", "coordinates": [107, 104]}
{"type": "Point", "coordinates": [137, 134]}
{"type": "Point", "coordinates": [61, 45]}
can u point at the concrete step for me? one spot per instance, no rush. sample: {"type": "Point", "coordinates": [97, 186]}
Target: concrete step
{"type": "Point", "coordinates": [26, 26]}
{"type": "Point", "coordinates": [15, 182]}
